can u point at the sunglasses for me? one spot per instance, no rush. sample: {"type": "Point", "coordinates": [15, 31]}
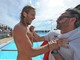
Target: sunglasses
{"type": "Point", "coordinates": [61, 17]}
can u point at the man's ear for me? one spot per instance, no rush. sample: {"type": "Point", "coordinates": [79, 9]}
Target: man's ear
{"type": "Point", "coordinates": [24, 14]}
{"type": "Point", "coordinates": [72, 20]}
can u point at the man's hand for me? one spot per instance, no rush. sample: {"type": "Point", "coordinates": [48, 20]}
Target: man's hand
{"type": "Point", "coordinates": [62, 43]}
{"type": "Point", "coordinates": [31, 28]}
{"type": "Point", "coordinates": [53, 45]}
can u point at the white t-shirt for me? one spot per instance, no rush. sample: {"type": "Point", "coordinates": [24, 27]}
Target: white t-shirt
{"type": "Point", "coordinates": [52, 35]}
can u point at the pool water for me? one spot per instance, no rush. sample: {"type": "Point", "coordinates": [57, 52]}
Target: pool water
{"type": "Point", "coordinates": [9, 52]}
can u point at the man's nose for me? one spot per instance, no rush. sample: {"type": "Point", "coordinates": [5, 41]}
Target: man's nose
{"type": "Point", "coordinates": [33, 17]}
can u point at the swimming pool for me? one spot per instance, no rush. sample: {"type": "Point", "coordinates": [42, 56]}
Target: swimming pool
{"type": "Point", "coordinates": [9, 51]}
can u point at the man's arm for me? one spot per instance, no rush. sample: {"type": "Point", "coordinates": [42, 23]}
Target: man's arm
{"type": "Point", "coordinates": [36, 37]}
{"type": "Point", "coordinates": [24, 44]}
{"type": "Point", "coordinates": [58, 57]}
{"type": "Point", "coordinates": [55, 53]}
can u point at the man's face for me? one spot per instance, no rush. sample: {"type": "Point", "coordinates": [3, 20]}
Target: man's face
{"type": "Point", "coordinates": [63, 21]}
{"type": "Point", "coordinates": [30, 16]}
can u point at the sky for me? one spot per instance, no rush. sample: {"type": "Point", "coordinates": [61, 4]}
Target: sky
{"type": "Point", "coordinates": [47, 11]}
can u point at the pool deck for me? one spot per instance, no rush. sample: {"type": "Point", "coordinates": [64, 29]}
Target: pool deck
{"type": "Point", "coordinates": [4, 40]}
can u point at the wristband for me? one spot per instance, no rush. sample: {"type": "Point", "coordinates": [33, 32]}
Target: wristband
{"type": "Point", "coordinates": [54, 52]}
